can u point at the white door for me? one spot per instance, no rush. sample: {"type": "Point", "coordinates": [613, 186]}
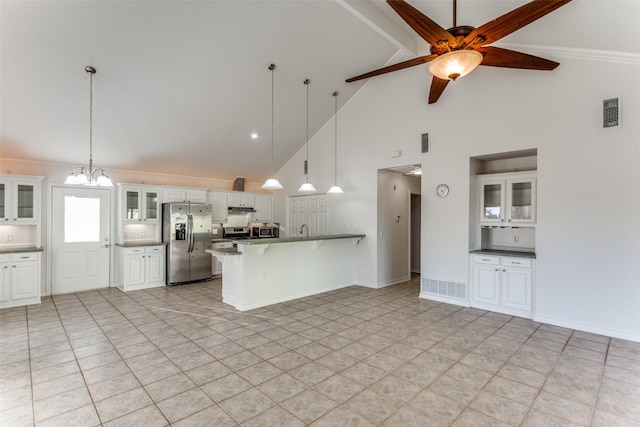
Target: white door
{"type": "Point", "coordinates": [80, 243]}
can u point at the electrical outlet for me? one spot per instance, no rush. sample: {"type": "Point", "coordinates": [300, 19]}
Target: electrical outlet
{"type": "Point", "coordinates": [445, 273]}
{"type": "Point", "coordinates": [515, 238]}
{"type": "Point", "coordinates": [142, 234]}
{"type": "Point", "coordinates": [9, 237]}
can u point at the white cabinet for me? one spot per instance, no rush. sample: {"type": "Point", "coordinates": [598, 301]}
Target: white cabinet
{"type": "Point", "coordinates": [264, 208]}
{"type": "Point", "coordinates": [503, 284]}
{"type": "Point", "coordinates": [141, 267]}
{"type": "Point", "coordinates": [19, 279]}
{"type": "Point", "coordinates": [140, 204]}
{"type": "Point", "coordinates": [507, 199]}
{"type": "Point", "coordinates": [181, 195]}
{"type": "Point", "coordinates": [219, 207]}
{"type": "Point", "coordinates": [20, 199]}
{"type": "Point", "coordinates": [241, 200]}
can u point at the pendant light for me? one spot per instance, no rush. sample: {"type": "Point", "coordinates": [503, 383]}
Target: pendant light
{"type": "Point", "coordinates": [307, 187]}
{"type": "Point", "coordinates": [335, 188]}
{"type": "Point", "coordinates": [272, 183]}
{"type": "Point", "coordinates": [82, 175]}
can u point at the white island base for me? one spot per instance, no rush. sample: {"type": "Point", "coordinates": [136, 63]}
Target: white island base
{"type": "Point", "coordinates": [265, 272]}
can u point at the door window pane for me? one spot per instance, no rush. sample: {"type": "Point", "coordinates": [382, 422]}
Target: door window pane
{"type": "Point", "coordinates": [151, 203]}
{"type": "Point", "coordinates": [81, 219]}
{"type": "Point", "coordinates": [25, 201]}
{"type": "Point", "coordinates": [492, 201]}
{"type": "Point", "coordinates": [133, 205]}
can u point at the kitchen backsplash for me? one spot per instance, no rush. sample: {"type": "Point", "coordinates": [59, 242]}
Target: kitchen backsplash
{"type": "Point", "coordinates": [509, 238]}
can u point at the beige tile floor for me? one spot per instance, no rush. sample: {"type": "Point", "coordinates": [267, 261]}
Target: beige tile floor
{"type": "Point", "coordinates": [352, 357]}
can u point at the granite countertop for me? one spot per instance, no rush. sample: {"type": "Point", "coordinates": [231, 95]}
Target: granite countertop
{"type": "Point", "coordinates": [20, 250]}
{"type": "Point", "coordinates": [137, 244]}
{"type": "Point", "coordinates": [505, 253]}
{"type": "Point", "coordinates": [297, 239]}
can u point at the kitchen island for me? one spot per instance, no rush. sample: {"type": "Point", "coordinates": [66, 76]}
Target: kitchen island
{"type": "Point", "coordinates": [261, 272]}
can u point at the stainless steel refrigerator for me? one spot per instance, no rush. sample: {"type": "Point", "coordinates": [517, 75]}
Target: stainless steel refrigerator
{"type": "Point", "coordinates": [186, 229]}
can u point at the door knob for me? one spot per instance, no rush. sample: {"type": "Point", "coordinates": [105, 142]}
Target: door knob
{"type": "Point", "coordinates": [105, 246]}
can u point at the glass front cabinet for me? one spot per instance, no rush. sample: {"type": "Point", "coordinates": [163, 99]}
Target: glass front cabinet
{"type": "Point", "coordinates": [507, 199]}
{"type": "Point", "coordinates": [140, 205]}
{"type": "Point", "coordinates": [19, 200]}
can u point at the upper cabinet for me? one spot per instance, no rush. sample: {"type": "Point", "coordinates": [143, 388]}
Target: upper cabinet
{"type": "Point", "coordinates": [19, 199]}
{"type": "Point", "coordinates": [218, 201]}
{"type": "Point", "coordinates": [241, 200]}
{"type": "Point", "coordinates": [507, 199]}
{"type": "Point", "coordinates": [140, 204]}
{"type": "Point", "coordinates": [182, 195]}
{"type": "Point", "coordinates": [264, 208]}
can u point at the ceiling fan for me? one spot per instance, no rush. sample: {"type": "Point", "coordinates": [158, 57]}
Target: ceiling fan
{"type": "Point", "coordinates": [459, 50]}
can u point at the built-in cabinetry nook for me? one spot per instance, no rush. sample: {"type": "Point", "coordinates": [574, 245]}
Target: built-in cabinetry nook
{"type": "Point", "coordinates": [502, 233]}
{"type": "Point", "coordinates": [20, 240]}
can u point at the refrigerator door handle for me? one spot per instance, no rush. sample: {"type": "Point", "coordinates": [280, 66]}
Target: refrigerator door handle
{"type": "Point", "coordinates": [191, 239]}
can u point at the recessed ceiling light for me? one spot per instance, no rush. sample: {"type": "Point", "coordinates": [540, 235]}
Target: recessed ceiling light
{"type": "Point", "coordinates": [254, 135]}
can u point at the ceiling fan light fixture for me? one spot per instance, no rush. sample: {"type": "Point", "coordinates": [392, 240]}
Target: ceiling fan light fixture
{"type": "Point", "coordinates": [455, 64]}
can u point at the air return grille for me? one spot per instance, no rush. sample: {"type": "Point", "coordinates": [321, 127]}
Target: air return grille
{"type": "Point", "coordinates": [611, 113]}
{"type": "Point", "coordinates": [444, 288]}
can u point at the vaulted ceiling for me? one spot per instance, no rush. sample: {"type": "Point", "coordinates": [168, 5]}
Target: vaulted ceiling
{"type": "Point", "coordinates": [181, 85]}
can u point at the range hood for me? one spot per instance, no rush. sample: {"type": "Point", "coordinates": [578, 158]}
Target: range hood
{"type": "Point", "coordinates": [240, 210]}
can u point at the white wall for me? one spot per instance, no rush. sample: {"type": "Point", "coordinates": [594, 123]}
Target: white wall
{"type": "Point", "coordinates": [588, 232]}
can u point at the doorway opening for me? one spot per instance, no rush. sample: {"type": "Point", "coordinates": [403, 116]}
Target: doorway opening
{"type": "Point", "coordinates": [399, 219]}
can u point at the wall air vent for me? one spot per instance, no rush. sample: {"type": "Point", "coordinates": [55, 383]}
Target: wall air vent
{"type": "Point", "coordinates": [424, 143]}
{"type": "Point", "coordinates": [611, 113]}
{"type": "Point", "coordinates": [443, 288]}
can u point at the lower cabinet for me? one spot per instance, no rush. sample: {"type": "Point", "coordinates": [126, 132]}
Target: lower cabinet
{"type": "Point", "coordinates": [19, 279]}
{"type": "Point", "coordinates": [141, 267]}
{"type": "Point", "coordinates": [502, 284]}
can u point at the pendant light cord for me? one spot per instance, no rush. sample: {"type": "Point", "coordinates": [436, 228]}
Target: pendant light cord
{"type": "Point", "coordinates": [272, 67]}
{"type": "Point", "coordinates": [306, 168]}
{"type": "Point", "coordinates": [89, 69]}
{"type": "Point", "coordinates": [335, 141]}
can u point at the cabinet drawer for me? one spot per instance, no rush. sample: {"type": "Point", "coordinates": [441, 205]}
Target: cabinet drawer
{"type": "Point", "coordinates": [24, 257]}
{"type": "Point", "coordinates": [152, 249]}
{"type": "Point", "coordinates": [486, 259]}
{"type": "Point", "coordinates": [129, 251]}
{"type": "Point", "coordinates": [516, 262]}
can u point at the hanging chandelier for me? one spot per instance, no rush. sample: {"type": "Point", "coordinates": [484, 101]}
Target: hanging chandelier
{"type": "Point", "coordinates": [336, 189]}
{"type": "Point", "coordinates": [87, 176]}
{"type": "Point", "coordinates": [307, 187]}
{"type": "Point", "coordinates": [272, 183]}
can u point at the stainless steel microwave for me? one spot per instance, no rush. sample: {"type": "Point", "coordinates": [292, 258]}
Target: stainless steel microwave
{"type": "Point", "coordinates": [265, 232]}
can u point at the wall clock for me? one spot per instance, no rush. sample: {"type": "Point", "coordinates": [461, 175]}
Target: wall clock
{"type": "Point", "coordinates": [442, 190]}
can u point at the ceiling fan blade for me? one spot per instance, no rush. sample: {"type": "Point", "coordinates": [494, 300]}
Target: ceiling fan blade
{"type": "Point", "coordinates": [498, 57]}
{"type": "Point", "coordinates": [394, 67]}
{"type": "Point", "coordinates": [511, 21]}
{"type": "Point", "coordinates": [437, 87]}
{"type": "Point", "coordinates": [431, 32]}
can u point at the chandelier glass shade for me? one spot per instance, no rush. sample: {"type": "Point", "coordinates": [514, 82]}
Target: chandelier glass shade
{"type": "Point", "coordinates": [82, 175]}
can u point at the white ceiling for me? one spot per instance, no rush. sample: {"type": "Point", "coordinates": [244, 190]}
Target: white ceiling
{"type": "Point", "coordinates": [180, 85]}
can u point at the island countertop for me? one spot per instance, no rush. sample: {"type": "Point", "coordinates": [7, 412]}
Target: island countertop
{"type": "Point", "coordinates": [268, 241]}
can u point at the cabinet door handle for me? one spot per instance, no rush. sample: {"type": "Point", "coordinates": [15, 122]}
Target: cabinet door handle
{"type": "Point", "coordinates": [517, 263]}
{"type": "Point", "coordinates": [484, 259]}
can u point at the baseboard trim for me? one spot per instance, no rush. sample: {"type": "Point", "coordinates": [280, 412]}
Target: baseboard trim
{"type": "Point", "coordinates": [587, 328]}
